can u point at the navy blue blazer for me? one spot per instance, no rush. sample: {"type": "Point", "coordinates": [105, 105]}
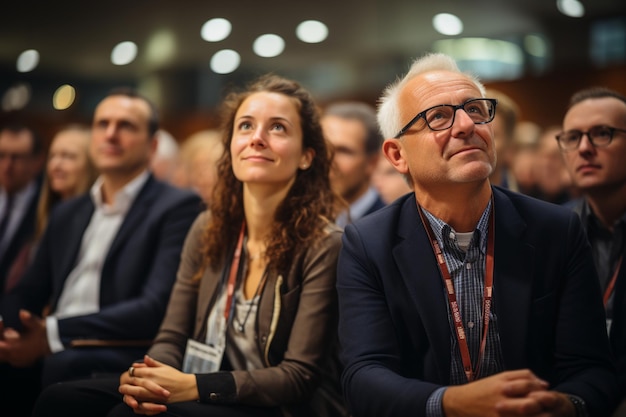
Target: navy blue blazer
{"type": "Point", "coordinates": [138, 272]}
{"type": "Point", "coordinates": [394, 328]}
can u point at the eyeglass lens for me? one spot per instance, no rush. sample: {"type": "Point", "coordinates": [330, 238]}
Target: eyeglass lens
{"type": "Point", "coordinates": [598, 136]}
{"type": "Point", "coordinates": [442, 117]}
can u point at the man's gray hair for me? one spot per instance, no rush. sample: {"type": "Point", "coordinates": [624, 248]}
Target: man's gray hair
{"type": "Point", "coordinates": [388, 104]}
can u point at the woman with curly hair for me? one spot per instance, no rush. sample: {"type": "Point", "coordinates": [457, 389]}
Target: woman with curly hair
{"type": "Point", "coordinates": [251, 324]}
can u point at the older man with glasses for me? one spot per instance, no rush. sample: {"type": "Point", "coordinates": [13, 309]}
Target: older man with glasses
{"type": "Point", "coordinates": [462, 298]}
{"type": "Point", "coordinates": [593, 145]}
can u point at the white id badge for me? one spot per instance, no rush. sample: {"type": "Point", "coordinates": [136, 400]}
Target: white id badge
{"type": "Point", "coordinates": [201, 358]}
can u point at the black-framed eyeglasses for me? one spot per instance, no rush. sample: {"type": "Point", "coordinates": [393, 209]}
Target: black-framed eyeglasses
{"type": "Point", "coordinates": [599, 136]}
{"type": "Point", "coordinates": [441, 117]}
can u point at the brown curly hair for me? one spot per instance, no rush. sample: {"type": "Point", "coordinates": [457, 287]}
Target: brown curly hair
{"type": "Point", "coordinates": [309, 206]}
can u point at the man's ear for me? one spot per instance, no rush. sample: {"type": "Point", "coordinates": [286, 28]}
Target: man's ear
{"type": "Point", "coordinates": [392, 148]}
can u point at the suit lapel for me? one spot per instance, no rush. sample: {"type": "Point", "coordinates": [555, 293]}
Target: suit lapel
{"type": "Point", "coordinates": [418, 268]}
{"type": "Point", "coordinates": [513, 277]}
{"type": "Point", "coordinates": [209, 290]}
{"type": "Point", "coordinates": [68, 248]}
{"type": "Point", "coordinates": [134, 217]}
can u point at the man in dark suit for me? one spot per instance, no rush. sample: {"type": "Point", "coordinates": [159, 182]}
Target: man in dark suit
{"type": "Point", "coordinates": [105, 265]}
{"type": "Point", "coordinates": [463, 299]}
{"type": "Point", "coordinates": [21, 163]}
{"type": "Point", "coordinates": [593, 146]}
{"type": "Point", "coordinates": [352, 130]}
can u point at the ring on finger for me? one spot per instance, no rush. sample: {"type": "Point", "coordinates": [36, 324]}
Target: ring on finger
{"type": "Point", "coordinates": [131, 371]}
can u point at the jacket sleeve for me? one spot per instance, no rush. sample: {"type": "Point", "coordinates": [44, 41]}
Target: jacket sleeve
{"type": "Point", "coordinates": [181, 315]}
{"type": "Point", "coordinates": [373, 381]}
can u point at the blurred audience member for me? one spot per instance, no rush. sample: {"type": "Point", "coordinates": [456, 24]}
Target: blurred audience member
{"type": "Point", "coordinates": [21, 163]}
{"type": "Point", "coordinates": [504, 132]}
{"type": "Point", "coordinates": [352, 130]}
{"type": "Point", "coordinates": [389, 183]}
{"type": "Point", "coordinates": [553, 181]}
{"type": "Point", "coordinates": [69, 172]}
{"type": "Point", "coordinates": [593, 142]}
{"type": "Point", "coordinates": [165, 159]}
{"type": "Point", "coordinates": [197, 166]}
{"type": "Point", "coordinates": [524, 154]}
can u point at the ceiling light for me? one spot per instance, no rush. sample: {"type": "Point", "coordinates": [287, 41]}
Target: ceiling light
{"type": "Point", "coordinates": [312, 31]}
{"type": "Point", "coordinates": [16, 97]}
{"type": "Point", "coordinates": [225, 61]}
{"type": "Point", "coordinates": [488, 58]}
{"type": "Point", "coordinates": [571, 8]}
{"type": "Point", "coordinates": [536, 46]}
{"type": "Point", "coordinates": [28, 60]}
{"type": "Point", "coordinates": [161, 47]}
{"type": "Point", "coordinates": [63, 97]}
{"type": "Point", "coordinates": [124, 53]}
{"type": "Point", "coordinates": [215, 30]}
{"type": "Point", "coordinates": [447, 24]}
{"type": "Point", "coordinates": [268, 45]}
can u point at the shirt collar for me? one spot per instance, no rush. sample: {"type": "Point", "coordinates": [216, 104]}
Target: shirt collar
{"type": "Point", "coordinates": [441, 229]}
{"type": "Point", "coordinates": [22, 195]}
{"type": "Point", "coordinates": [123, 199]}
{"type": "Point", "coordinates": [360, 206]}
{"type": "Point", "coordinates": [591, 221]}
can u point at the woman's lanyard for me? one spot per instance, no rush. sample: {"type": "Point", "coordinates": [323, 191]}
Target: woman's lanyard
{"type": "Point", "coordinates": [232, 276]}
{"type": "Point", "coordinates": [470, 373]}
{"type": "Point", "coordinates": [611, 286]}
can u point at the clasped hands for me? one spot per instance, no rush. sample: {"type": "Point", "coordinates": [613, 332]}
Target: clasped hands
{"type": "Point", "coordinates": [155, 384]}
{"type": "Point", "coordinates": [22, 349]}
{"type": "Point", "coordinates": [507, 394]}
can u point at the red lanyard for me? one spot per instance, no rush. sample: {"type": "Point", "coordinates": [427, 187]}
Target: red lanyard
{"type": "Point", "coordinates": [234, 269]}
{"type": "Point", "coordinates": [611, 286]}
{"type": "Point", "coordinates": [470, 373]}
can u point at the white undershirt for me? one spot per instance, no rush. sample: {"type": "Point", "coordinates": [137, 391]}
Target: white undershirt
{"type": "Point", "coordinates": [81, 290]}
{"type": "Point", "coordinates": [464, 240]}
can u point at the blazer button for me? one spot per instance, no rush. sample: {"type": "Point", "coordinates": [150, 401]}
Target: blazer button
{"type": "Point", "coordinates": [213, 396]}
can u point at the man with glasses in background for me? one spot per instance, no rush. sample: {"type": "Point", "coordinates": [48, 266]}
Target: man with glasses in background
{"type": "Point", "coordinates": [21, 163]}
{"type": "Point", "coordinates": [464, 299]}
{"type": "Point", "coordinates": [593, 145]}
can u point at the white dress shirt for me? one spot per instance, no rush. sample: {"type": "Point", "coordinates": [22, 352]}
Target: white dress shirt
{"type": "Point", "coordinates": [358, 208]}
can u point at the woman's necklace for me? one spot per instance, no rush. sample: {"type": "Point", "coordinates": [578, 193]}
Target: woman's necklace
{"type": "Point", "coordinates": [241, 325]}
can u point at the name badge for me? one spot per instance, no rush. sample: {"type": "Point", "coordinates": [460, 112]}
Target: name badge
{"type": "Point", "coordinates": [201, 358]}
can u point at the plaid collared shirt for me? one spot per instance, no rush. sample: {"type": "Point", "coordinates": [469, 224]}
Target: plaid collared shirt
{"type": "Point", "coordinates": [467, 269]}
